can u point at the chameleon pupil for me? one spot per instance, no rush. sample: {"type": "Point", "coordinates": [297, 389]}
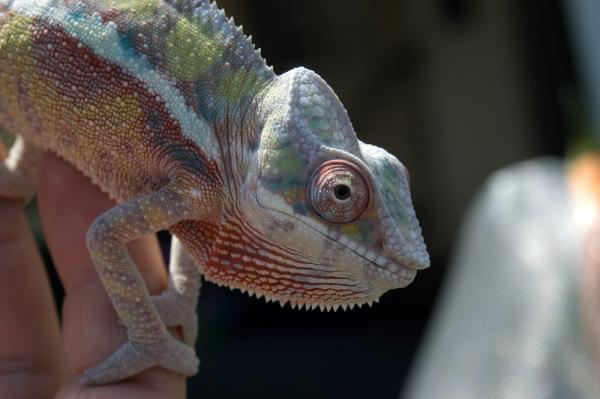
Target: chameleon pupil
{"type": "Point", "coordinates": [342, 192]}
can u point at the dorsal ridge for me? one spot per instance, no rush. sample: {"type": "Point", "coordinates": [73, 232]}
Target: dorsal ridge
{"type": "Point", "coordinates": [204, 11]}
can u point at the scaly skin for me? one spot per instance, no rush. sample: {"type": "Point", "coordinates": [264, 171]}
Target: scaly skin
{"type": "Point", "coordinates": [169, 109]}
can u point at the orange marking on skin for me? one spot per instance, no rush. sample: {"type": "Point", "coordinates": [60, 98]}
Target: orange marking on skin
{"type": "Point", "coordinates": [260, 279]}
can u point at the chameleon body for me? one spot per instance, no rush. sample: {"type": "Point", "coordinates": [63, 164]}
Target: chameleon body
{"type": "Point", "coordinates": [260, 178]}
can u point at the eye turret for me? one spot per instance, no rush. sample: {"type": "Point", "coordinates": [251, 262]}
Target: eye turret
{"type": "Point", "coordinates": [339, 191]}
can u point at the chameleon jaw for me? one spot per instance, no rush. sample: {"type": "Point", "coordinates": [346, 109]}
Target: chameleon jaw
{"type": "Point", "coordinates": [368, 278]}
{"type": "Point", "coordinates": [300, 305]}
{"type": "Point", "coordinates": [299, 302]}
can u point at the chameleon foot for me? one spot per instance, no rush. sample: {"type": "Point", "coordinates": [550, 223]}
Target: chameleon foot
{"type": "Point", "coordinates": [176, 306]}
{"type": "Point", "coordinates": [177, 309]}
{"type": "Point", "coordinates": [134, 357]}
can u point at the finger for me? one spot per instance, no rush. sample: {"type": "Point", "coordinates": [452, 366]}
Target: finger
{"type": "Point", "coordinates": [31, 361]}
{"type": "Point", "coordinates": [3, 152]}
{"type": "Point", "coordinates": [68, 205]}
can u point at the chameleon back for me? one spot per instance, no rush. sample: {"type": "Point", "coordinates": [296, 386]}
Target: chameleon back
{"type": "Point", "coordinates": [91, 80]}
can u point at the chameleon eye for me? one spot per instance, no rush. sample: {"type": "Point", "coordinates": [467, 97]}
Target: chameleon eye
{"type": "Point", "coordinates": [338, 191]}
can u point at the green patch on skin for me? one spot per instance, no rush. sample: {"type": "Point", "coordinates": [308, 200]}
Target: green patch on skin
{"type": "Point", "coordinates": [286, 177]}
{"type": "Point", "coordinates": [289, 162]}
{"type": "Point", "coordinates": [319, 123]}
{"type": "Point", "coordinates": [356, 231]}
{"type": "Point", "coordinates": [15, 37]}
{"type": "Point", "coordinates": [143, 8]}
{"type": "Point", "coordinates": [236, 84]}
{"type": "Point", "coordinates": [190, 51]}
{"type": "Point", "coordinates": [388, 178]}
{"type": "Point", "coordinates": [283, 170]}
{"type": "Point", "coordinates": [15, 49]}
{"type": "Point", "coordinates": [360, 230]}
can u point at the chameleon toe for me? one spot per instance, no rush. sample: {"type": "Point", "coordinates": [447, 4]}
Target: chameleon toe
{"type": "Point", "coordinates": [176, 310]}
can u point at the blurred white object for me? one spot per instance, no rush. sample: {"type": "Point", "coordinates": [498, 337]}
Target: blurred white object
{"type": "Point", "coordinates": [508, 323]}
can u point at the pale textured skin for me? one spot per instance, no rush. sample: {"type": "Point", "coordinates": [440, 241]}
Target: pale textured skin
{"type": "Point", "coordinates": [168, 108]}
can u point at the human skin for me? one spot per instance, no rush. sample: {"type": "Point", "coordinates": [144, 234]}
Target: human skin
{"type": "Point", "coordinates": [38, 358]}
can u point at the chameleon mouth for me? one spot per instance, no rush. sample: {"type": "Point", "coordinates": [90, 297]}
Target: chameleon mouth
{"type": "Point", "coordinates": [384, 274]}
{"type": "Point", "coordinates": [382, 266]}
{"type": "Point", "coordinates": [390, 270]}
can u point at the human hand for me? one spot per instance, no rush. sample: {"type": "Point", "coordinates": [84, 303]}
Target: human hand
{"type": "Point", "coordinates": [37, 358]}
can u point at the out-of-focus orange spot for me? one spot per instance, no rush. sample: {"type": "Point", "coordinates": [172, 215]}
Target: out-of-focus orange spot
{"type": "Point", "coordinates": [584, 188]}
{"type": "Point", "coordinates": [584, 174]}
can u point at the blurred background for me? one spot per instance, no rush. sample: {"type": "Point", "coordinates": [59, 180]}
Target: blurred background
{"type": "Point", "coordinates": [456, 89]}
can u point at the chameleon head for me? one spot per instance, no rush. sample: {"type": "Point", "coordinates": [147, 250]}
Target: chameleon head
{"type": "Point", "coordinates": [328, 220]}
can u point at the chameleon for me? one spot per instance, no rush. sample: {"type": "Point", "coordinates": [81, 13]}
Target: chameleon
{"type": "Point", "coordinates": [260, 178]}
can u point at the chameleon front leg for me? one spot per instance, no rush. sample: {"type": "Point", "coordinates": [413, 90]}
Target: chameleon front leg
{"type": "Point", "coordinates": [176, 306]}
{"type": "Point", "coordinates": [19, 171]}
{"type": "Point", "coordinates": [149, 342]}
